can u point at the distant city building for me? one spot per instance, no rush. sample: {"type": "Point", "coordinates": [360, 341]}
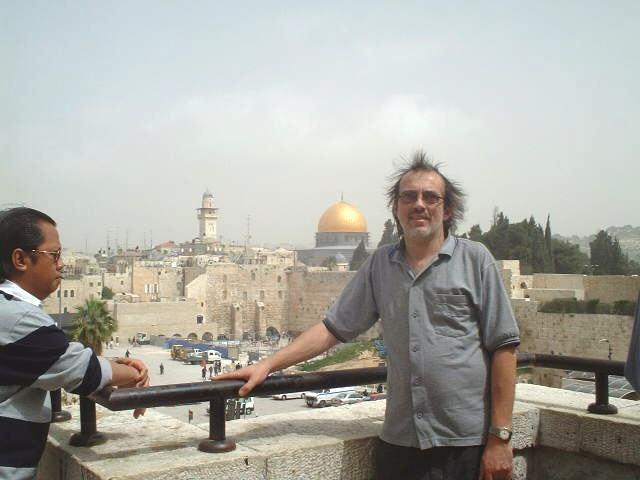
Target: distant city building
{"type": "Point", "coordinates": [207, 219]}
{"type": "Point", "coordinates": [340, 229]}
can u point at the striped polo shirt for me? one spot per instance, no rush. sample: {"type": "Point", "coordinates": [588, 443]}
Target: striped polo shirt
{"type": "Point", "coordinates": [35, 357]}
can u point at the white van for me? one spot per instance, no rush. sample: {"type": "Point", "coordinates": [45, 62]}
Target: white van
{"type": "Point", "coordinates": [211, 355]}
{"type": "Point", "coordinates": [321, 398]}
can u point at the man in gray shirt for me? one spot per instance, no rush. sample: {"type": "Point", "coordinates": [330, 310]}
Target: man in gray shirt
{"type": "Point", "coordinates": [450, 334]}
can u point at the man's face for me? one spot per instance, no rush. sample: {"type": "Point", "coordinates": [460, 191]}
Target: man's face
{"type": "Point", "coordinates": [43, 272]}
{"type": "Point", "coordinates": [420, 219]}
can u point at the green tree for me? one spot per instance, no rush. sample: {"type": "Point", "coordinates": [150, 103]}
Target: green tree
{"type": "Point", "coordinates": [548, 243]}
{"type": "Point", "coordinates": [475, 233]}
{"type": "Point", "coordinates": [606, 256]}
{"type": "Point", "coordinates": [389, 234]}
{"type": "Point", "coordinates": [329, 263]}
{"type": "Point", "coordinates": [93, 325]}
{"type": "Point", "coordinates": [568, 258]}
{"type": "Point", "coordinates": [525, 241]}
{"type": "Point", "coordinates": [359, 256]}
{"type": "Point", "coordinates": [107, 293]}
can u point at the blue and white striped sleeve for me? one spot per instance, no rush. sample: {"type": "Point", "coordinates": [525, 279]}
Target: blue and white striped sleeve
{"type": "Point", "coordinates": [39, 355]}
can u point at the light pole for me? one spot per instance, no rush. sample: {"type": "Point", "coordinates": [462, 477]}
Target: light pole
{"type": "Point", "coordinates": [609, 345]}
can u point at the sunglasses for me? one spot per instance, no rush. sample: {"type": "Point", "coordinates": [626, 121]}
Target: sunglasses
{"type": "Point", "coordinates": [428, 197]}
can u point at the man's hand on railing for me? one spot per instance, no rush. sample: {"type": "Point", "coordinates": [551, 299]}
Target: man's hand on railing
{"type": "Point", "coordinates": [253, 374]}
{"type": "Point", "coordinates": [140, 380]}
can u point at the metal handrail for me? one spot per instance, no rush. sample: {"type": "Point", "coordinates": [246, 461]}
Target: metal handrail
{"type": "Point", "coordinates": [217, 392]}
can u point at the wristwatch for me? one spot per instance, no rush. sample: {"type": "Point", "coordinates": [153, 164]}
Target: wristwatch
{"type": "Point", "coordinates": [503, 433]}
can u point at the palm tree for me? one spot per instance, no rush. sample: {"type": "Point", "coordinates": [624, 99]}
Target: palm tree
{"type": "Point", "coordinates": [93, 324]}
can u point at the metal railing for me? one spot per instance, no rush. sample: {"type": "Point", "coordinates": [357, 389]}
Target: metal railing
{"type": "Point", "coordinates": [602, 369]}
{"type": "Point", "coordinates": [216, 393]}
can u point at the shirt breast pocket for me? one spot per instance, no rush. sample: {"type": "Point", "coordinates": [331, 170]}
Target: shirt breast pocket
{"type": "Point", "coordinates": [453, 316]}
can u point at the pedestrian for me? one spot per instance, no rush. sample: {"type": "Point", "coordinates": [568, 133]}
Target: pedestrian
{"type": "Point", "coordinates": [210, 371]}
{"type": "Point", "coordinates": [30, 270]}
{"type": "Point", "coordinates": [204, 373]}
{"type": "Point", "coordinates": [127, 354]}
{"type": "Point", "coordinates": [450, 334]}
{"type": "Point", "coordinates": [161, 368]}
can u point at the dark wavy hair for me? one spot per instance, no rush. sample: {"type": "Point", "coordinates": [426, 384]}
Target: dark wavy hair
{"type": "Point", "coordinates": [454, 196]}
{"type": "Point", "coordinates": [19, 229]}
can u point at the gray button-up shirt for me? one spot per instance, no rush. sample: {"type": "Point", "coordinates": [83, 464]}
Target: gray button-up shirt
{"type": "Point", "coordinates": [439, 329]}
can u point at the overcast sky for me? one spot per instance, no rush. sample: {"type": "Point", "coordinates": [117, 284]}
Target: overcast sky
{"type": "Point", "coordinates": [116, 116]}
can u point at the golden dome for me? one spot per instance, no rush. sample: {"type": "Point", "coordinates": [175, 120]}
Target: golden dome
{"type": "Point", "coordinates": [342, 217]}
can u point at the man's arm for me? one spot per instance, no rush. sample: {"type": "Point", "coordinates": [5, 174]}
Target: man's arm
{"type": "Point", "coordinates": [312, 342]}
{"type": "Point", "coordinates": [497, 459]}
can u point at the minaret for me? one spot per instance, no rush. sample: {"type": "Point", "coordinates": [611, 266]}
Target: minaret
{"type": "Point", "coordinates": [207, 219]}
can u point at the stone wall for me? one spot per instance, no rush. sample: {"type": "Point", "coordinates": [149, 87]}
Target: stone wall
{"type": "Point", "coordinates": [560, 281]}
{"type": "Point", "coordinates": [610, 288]}
{"type": "Point", "coordinates": [246, 299]}
{"type": "Point", "coordinates": [152, 283]}
{"type": "Point", "coordinates": [196, 290]}
{"type": "Point", "coordinates": [310, 294]}
{"type": "Point", "coordinates": [160, 318]}
{"type": "Point", "coordinates": [570, 334]}
{"type": "Point", "coordinates": [117, 282]}
{"type": "Point", "coordinates": [547, 294]}
{"type": "Point", "coordinates": [554, 439]}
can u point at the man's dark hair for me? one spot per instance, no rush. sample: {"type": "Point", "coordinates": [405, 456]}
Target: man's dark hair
{"type": "Point", "coordinates": [19, 229]}
{"type": "Point", "coordinates": [453, 193]}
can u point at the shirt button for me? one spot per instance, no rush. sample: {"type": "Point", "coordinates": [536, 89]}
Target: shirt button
{"type": "Point", "coordinates": [417, 381]}
{"type": "Point", "coordinates": [419, 414]}
{"type": "Point", "coordinates": [415, 348]}
{"type": "Point", "coordinates": [415, 314]}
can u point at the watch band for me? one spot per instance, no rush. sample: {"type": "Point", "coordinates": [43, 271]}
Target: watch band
{"type": "Point", "coordinates": [503, 433]}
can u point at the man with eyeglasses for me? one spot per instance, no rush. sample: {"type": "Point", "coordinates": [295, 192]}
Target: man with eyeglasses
{"type": "Point", "coordinates": [450, 335]}
{"type": "Point", "coordinates": [35, 355]}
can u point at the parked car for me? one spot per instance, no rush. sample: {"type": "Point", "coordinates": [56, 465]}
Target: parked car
{"type": "Point", "coordinates": [347, 398]}
{"type": "Point", "coordinates": [321, 399]}
{"type": "Point", "coordinates": [288, 395]}
{"type": "Point", "coordinates": [247, 406]}
{"type": "Point", "coordinates": [142, 338]}
{"type": "Point", "coordinates": [193, 357]}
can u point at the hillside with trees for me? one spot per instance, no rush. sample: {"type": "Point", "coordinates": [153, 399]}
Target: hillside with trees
{"type": "Point", "coordinates": [541, 252]}
{"type": "Point", "coordinates": [628, 237]}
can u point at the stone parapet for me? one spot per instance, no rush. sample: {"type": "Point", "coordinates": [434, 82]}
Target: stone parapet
{"type": "Point", "coordinates": [554, 438]}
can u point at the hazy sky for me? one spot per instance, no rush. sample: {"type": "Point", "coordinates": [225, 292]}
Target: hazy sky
{"type": "Point", "coordinates": [116, 116]}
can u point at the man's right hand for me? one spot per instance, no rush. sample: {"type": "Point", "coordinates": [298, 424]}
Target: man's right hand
{"type": "Point", "coordinates": [253, 374]}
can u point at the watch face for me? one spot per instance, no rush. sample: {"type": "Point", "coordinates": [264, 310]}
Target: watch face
{"type": "Point", "coordinates": [501, 433]}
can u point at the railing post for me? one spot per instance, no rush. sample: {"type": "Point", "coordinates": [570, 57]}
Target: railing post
{"type": "Point", "coordinates": [57, 414]}
{"type": "Point", "coordinates": [217, 442]}
{"type": "Point", "coordinates": [88, 435]}
{"type": "Point", "coordinates": [602, 405]}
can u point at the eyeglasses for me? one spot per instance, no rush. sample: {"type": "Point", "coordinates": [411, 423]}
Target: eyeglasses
{"type": "Point", "coordinates": [55, 255]}
{"type": "Point", "coordinates": [430, 198]}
